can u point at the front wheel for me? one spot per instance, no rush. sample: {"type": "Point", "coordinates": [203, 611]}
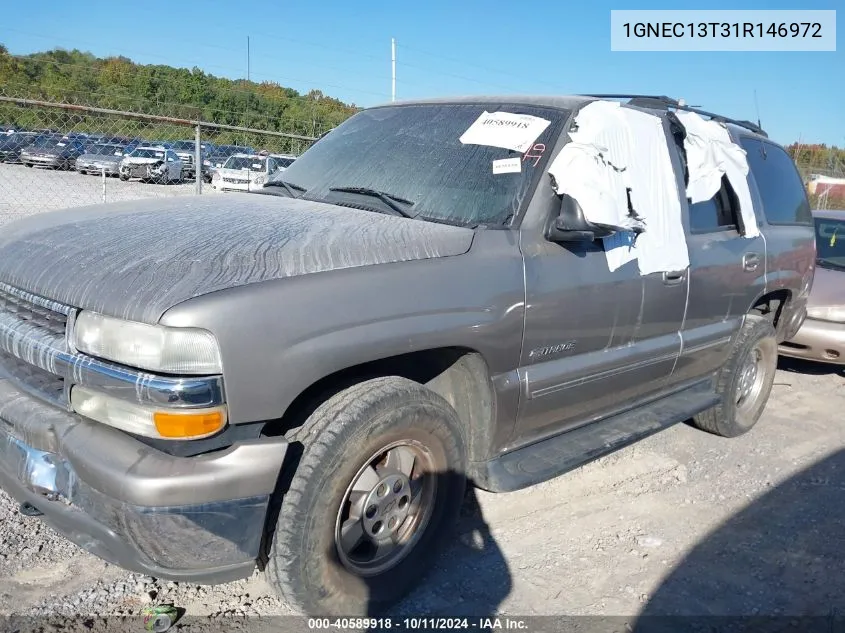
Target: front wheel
{"type": "Point", "coordinates": [745, 382]}
{"type": "Point", "coordinates": [380, 480]}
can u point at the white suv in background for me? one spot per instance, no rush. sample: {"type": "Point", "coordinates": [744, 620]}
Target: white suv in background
{"type": "Point", "coordinates": [249, 172]}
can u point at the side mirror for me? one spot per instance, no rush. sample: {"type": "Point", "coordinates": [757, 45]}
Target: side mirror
{"type": "Point", "coordinates": [570, 225]}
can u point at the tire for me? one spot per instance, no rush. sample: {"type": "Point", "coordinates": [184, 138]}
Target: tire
{"type": "Point", "coordinates": [123, 177]}
{"type": "Point", "coordinates": [745, 391]}
{"type": "Point", "coordinates": [306, 565]}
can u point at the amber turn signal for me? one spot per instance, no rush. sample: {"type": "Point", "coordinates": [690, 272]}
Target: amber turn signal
{"type": "Point", "coordinates": [187, 425]}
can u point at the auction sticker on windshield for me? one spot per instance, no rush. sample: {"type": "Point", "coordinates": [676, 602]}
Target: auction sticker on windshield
{"type": "Point", "coordinates": [507, 166]}
{"type": "Point", "coordinates": [506, 130]}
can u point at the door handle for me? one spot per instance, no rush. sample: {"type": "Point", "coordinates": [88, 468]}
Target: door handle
{"type": "Point", "coordinates": [750, 261]}
{"type": "Point", "coordinates": [674, 278]}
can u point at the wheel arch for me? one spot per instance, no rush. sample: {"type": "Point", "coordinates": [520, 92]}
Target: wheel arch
{"type": "Point", "coordinates": [458, 374]}
{"type": "Point", "coordinates": [771, 305]}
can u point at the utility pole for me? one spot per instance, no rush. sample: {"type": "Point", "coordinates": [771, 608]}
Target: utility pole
{"type": "Point", "coordinates": [247, 57]}
{"type": "Point", "coordinates": [393, 64]}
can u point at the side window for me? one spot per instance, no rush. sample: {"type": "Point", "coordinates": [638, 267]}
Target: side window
{"type": "Point", "coordinates": [784, 198]}
{"type": "Point", "coordinates": [717, 214]}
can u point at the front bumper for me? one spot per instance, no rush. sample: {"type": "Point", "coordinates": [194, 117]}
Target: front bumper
{"type": "Point", "coordinates": [222, 185]}
{"type": "Point", "coordinates": [198, 519]}
{"type": "Point", "coordinates": [43, 161]}
{"type": "Point", "coordinates": [111, 169]}
{"type": "Point", "coordinates": [820, 341]}
{"type": "Point", "coordinates": [10, 156]}
{"type": "Point", "coordinates": [144, 170]}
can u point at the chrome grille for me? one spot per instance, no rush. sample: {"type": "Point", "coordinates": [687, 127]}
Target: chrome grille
{"type": "Point", "coordinates": [29, 319]}
{"type": "Point", "coordinates": [33, 379]}
{"type": "Point", "coordinates": [27, 309]}
{"type": "Point", "coordinates": [236, 181]}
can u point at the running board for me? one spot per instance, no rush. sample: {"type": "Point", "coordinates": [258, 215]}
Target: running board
{"type": "Point", "coordinates": [562, 453]}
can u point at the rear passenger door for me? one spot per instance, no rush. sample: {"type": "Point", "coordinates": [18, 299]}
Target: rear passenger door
{"type": "Point", "coordinates": [778, 185]}
{"type": "Point", "coordinates": [726, 275]}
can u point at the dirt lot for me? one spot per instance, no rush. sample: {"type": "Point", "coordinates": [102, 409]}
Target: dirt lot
{"type": "Point", "coordinates": [682, 523]}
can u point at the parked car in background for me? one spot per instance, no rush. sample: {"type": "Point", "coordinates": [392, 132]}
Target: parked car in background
{"type": "Point", "coordinates": [283, 161]}
{"type": "Point", "coordinates": [153, 164]}
{"type": "Point", "coordinates": [219, 154]}
{"type": "Point", "coordinates": [247, 172]}
{"type": "Point", "coordinates": [101, 157]}
{"type": "Point", "coordinates": [56, 152]}
{"type": "Point", "coordinates": [186, 150]}
{"type": "Point", "coordinates": [12, 144]}
{"type": "Point", "coordinates": [822, 336]}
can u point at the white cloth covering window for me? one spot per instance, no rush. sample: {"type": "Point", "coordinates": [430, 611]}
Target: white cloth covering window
{"type": "Point", "coordinates": [711, 154]}
{"type": "Point", "coordinates": [613, 150]}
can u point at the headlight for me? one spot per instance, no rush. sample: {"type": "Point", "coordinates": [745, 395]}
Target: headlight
{"type": "Point", "coordinates": [836, 314]}
{"type": "Point", "coordinates": [215, 176]}
{"type": "Point", "coordinates": [145, 420]}
{"type": "Point", "coordinates": [153, 347]}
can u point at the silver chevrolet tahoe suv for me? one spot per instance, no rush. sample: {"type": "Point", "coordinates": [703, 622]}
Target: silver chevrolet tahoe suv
{"type": "Point", "coordinates": [306, 381]}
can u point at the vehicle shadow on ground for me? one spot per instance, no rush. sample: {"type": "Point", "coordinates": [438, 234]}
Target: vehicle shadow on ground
{"type": "Point", "coordinates": [783, 555]}
{"type": "Point", "coordinates": [471, 577]}
{"type": "Point", "coordinates": [799, 366]}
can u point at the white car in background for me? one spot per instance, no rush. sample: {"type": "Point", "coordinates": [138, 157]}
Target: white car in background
{"type": "Point", "coordinates": [248, 172]}
{"type": "Point", "coordinates": [151, 163]}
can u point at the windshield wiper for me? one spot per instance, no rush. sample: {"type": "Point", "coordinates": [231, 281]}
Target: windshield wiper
{"type": "Point", "coordinates": [291, 188]}
{"type": "Point", "coordinates": [387, 198]}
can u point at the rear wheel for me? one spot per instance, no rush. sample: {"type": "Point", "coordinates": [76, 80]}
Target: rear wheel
{"type": "Point", "coordinates": [745, 381]}
{"type": "Point", "coordinates": [380, 479]}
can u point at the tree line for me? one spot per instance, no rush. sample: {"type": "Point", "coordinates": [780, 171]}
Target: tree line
{"type": "Point", "coordinates": [118, 83]}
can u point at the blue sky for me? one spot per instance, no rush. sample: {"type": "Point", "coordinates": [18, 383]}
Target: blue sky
{"type": "Point", "coordinates": [447, 48]}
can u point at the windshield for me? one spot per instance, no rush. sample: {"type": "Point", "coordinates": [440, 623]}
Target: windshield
{"type": "Point", "coordinates": [232, 149]}
{"type": "Point", "coordinates": [49, 142]}
{"type": "Point", "coordinates": [414, 152]}
{"type": "Point", "coordinates": [17, 138]}
{"type": "Point", "coordinates": [251, 163]}
{"type": "Point", "coordinates": [184, 145]}
{"type": "Point", "coordinates": [147, 152]}
{"type": "Point", "coordinates": [830, 242]}
{"type": "Point", "coordinates": [105, 150]}
{"type": "Point", "coordinates": [284, 162]}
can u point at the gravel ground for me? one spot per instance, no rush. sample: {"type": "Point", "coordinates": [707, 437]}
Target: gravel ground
{"type": "Point", "coordinates": [24, 191]}
{"type": "Point", "coordinates": [681, 523]}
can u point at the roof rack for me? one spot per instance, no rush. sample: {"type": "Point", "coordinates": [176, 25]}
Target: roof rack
{"type": "Point", "coordinates": [664, 103]}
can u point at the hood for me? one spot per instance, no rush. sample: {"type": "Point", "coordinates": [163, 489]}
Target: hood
{"type": "Point", "coordinates": [241, 173]}
{"type": "Point", "coordinates": [828, 288]}
{"type": "Point", "coordinates": [138, 160]}
{"type": "Point", "coordinates": [50, 151]}
{"type": "Point", "coordinates": [137, 259]}
{"type": "Point", "coordinates": [34, 149]}
{"type": "Point", "coordinates": [7, 142]}
{"type": "Point", "coordinates": [101, 158]}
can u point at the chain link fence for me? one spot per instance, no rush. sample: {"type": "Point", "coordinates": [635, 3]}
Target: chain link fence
{"type": "Point", "coordinates": [55, 156]}
{"type": "Point", "coordinates": [58, 155]}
